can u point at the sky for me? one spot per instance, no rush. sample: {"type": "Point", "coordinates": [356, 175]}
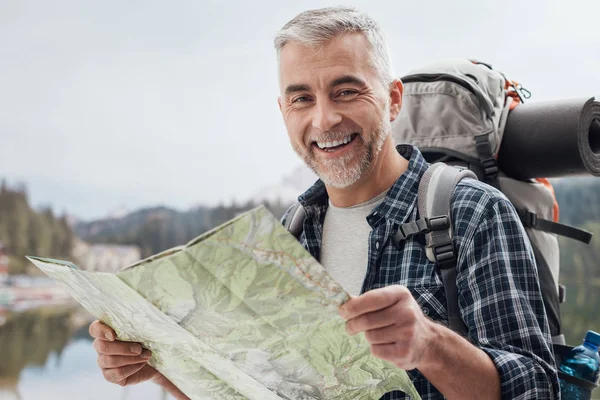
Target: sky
{"type": "Point", "coordinates": [111, 104]}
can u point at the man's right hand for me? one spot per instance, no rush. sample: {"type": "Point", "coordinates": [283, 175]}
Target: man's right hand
{"type": "Point", "coordinates": [123, 363]}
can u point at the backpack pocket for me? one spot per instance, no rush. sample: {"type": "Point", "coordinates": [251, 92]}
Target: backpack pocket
{"type": "Point", "coordinates": [442, 112]}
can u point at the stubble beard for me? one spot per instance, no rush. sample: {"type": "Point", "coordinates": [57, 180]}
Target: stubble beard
{"type": "Point", "coordinates": [344, 171]}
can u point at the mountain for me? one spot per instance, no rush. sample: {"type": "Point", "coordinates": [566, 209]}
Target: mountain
{"type": "Point", "coordinates": [122, 225]}
{"type": "Point", "coordinates": [157, 229]}
{"type": "Point", "coordinates": [152, 229]}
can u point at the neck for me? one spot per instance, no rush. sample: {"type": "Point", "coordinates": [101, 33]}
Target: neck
{"type": "Point", "coordinates": [381, 175]}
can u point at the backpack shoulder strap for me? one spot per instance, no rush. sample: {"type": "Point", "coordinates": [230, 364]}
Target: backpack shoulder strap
{"type": "Point", "coordinates": [435, 193]}
{"type": "Point", "coordinates": [294, 219]}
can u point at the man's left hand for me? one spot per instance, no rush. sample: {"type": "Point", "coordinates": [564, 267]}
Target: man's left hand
{"type": "Point", "coordinates": [393, 323]}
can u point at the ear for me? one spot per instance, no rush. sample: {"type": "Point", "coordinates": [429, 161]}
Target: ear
{"type": "Point", "coordinates": [279, 103]}
{"type": "Point", "coordinates": [396, 91]}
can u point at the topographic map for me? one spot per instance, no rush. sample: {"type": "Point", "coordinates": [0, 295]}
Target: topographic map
{"type": "Point", "coordinates": [241, 312]}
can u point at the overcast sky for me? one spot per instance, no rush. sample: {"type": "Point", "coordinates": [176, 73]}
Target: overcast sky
{"type": "Point", "coordinates": [137, 103]}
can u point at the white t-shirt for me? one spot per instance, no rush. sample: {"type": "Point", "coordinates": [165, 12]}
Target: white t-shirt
{"type": "Point", "coordinates": [345, 247]}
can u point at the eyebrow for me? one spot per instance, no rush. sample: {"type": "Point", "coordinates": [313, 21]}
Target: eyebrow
{"type": "Point", "coordinates": [294, 88]}
{"type": "Point", "coordinates": [348, 79]}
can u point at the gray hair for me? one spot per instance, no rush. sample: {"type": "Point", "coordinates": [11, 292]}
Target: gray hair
{"type": "Point", "coordinates": [316, 27]}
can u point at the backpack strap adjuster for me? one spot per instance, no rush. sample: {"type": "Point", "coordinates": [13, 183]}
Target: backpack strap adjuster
{"type": "Point", "coordinates": [486, 158]}
{"type": "Point", "coordinates": [411, 229]}
{"type": "Point", "coordinates": [423, 225]}
{"type": "Point", "coordinates": [445, 256]}
{"type": "Point", "coordinates": [490, 167]}
{"type": "Point", "coordinates": [438, 223]}
{"type": "Point", "coordinates": [528, 218]}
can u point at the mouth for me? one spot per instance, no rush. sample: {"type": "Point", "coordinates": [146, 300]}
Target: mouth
{"type": "Point", "coordinates": [335, 145]}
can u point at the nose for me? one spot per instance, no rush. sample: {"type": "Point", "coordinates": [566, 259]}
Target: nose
{"type": "Point", "coordinates": [325, 116]}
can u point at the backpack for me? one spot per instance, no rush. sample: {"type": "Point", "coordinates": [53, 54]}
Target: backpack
{"type": "Point", "coordinates": [455, 113]}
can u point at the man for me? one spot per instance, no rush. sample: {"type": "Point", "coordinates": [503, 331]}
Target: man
{"type": "Point", "coordinates": [338, 97]}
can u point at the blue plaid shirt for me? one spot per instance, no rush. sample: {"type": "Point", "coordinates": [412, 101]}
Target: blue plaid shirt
{"type": "Point", "coordinates": [499, 294]}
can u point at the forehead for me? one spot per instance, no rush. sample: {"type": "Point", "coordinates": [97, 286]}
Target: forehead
{"type": "Point", "coordinates": [301, 64]}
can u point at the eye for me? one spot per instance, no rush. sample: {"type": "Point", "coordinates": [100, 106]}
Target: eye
{"type": "Point", "coordinates": [301, 99]}
{"type": "Point", "coordinates": [347, 93]}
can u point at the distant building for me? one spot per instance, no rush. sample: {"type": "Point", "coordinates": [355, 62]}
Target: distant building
{"type": "Point", "coordinates": [3, 262]}
{"type": "Point", "coordinates": [104, 257]}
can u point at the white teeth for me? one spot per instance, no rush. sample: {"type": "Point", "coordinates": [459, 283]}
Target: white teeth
{"type": "Point", "coordinates": [335, 143]}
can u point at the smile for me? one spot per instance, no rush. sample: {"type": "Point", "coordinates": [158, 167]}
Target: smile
{"type": "Point", "coordinates": [336, 144]}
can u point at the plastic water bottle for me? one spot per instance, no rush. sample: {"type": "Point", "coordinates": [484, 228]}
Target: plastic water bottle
{"type": "Point", "coordinates": [582, 362]}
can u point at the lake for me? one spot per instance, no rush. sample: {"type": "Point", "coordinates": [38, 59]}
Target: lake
{"type": "Point", "coordinates": [46, 354]}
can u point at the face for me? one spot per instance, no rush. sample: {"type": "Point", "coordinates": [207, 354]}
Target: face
{"type": "Point", "coordinates": [336, 109]}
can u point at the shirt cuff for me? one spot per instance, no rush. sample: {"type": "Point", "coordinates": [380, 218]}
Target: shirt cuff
{"type": "Point", "coordinates": [524, 377]}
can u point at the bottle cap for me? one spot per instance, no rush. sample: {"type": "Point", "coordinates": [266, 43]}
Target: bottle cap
{"type": "Point", "coordinates": [593, 338]}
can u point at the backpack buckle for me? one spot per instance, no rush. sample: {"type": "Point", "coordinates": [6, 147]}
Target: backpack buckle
{"type": "Point", "coordinates": [531, 219]}
{"type": "Point", "coordinates": [442, 248]}
{"type": "Point", "coordinates": [490, 167]}
{"type": "Point", "coordinates": [438, 223]}
{"type": "Point", "coordinates": [445, 256]}
{"type": "Point", "coordinates": [528, 218]}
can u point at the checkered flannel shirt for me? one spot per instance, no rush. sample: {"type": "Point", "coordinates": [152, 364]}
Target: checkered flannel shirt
{"type": "Point", "coordinates": [499, 294]}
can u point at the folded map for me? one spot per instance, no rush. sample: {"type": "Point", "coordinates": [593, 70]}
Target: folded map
{"type": "Point", "coordinates": [241, 312]}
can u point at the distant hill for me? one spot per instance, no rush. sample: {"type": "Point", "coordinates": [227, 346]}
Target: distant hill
{"type": "Point", "coordinates": [160, 228]}
{"type": "Point", "coordinates": [152, 229]}
{"type": "Point", "coordinates": [124, 226]}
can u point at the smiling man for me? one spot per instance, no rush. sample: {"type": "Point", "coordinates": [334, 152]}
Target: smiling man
{"type": "Point", "coordinates": [338, 97]}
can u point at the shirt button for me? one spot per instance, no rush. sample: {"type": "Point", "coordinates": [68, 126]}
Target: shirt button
{"type": "Point", "coordinates": [377, 245]}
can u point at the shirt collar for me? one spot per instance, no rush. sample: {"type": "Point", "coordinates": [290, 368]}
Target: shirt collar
{"type": "Point", "coordinates": [399, 200]}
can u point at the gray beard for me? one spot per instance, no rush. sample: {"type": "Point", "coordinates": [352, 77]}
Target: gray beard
{"type": "Point", "coordinates": [339, 173]}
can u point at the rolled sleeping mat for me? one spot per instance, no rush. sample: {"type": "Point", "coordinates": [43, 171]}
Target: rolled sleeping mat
{"type": "Point", "coordinates": [552, 139]}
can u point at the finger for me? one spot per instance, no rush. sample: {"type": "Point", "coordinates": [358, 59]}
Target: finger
{"type": "Point", "coordinates": [389, 351]}
{"type": "Point", "coordinates": [100, 331]}
{"type": "Point", "coordinates": [105, 361]}
{"type": "Point", "coordinates": [373, 300]}
{"type": "Point", "coordinates": [117, 348]}
{"type": "Point", "coordinates": [387, 335]}
{"type": "Point", "coordinates": [120, 375]}
{"type": "Point", "coordinates": [143, 375]}
{"type": "Point", "coordinates": [374, 320]}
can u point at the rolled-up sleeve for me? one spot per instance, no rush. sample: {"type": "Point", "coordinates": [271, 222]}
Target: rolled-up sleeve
{"type": "Point", "coordinates": [501, 301]}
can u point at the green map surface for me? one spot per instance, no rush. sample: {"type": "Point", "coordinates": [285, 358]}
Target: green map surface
{"type": "Point", "coordinates": [241, 312]}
